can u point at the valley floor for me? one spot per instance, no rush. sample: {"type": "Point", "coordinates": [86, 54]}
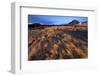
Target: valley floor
{"type": "Point", "coordinates": [55, 43]}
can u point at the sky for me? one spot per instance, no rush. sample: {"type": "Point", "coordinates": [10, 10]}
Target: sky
{"type": "Point", "coordinates": [47, 19]}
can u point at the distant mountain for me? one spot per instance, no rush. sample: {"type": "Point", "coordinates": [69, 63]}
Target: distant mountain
{"type": "Point", "coordinates": [42, 24]}
{"type": "Point", "coordinates": [74, 22]}
{"type": "Point", "coordinates": [35, 24]}
{"type": "Point", "coordinates": [85, 22]}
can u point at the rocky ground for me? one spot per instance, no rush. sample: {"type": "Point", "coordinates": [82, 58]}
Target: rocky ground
{"type": "Point", "coordinates": [55, 43]}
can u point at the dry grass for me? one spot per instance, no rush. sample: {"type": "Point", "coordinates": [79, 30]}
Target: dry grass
{"type": "Point", "coordinates": [56, 42]}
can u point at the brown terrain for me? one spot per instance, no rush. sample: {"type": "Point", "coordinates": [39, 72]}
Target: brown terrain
{"type": "Point", "coordinates": [57, 42]}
